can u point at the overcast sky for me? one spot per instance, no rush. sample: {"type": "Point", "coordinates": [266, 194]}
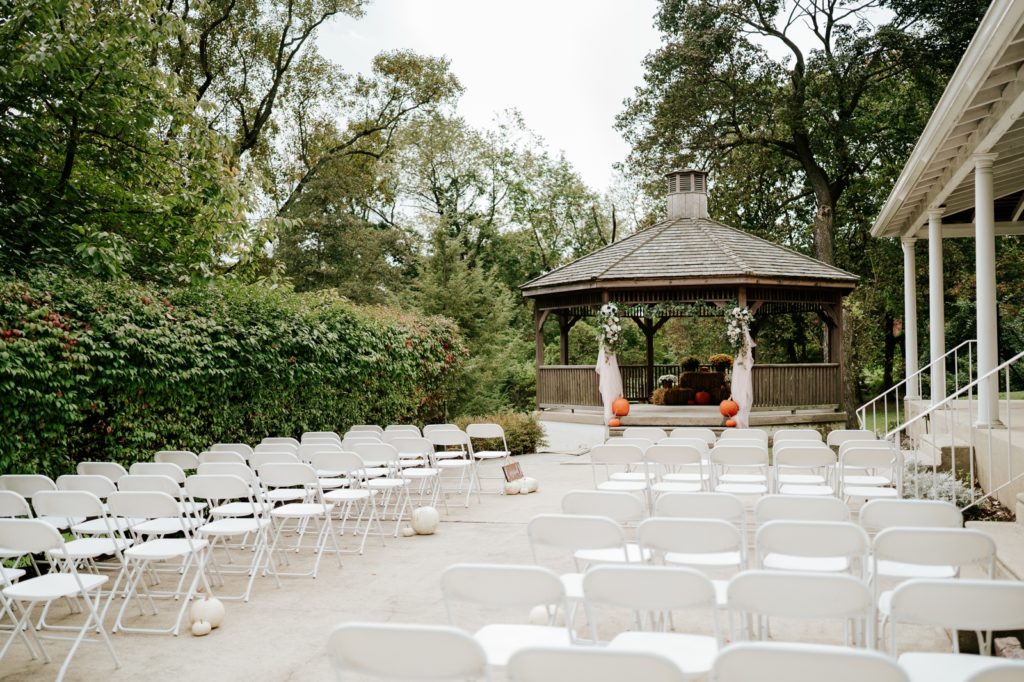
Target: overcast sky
{"type": "Point", "coordinates": [565, 64]}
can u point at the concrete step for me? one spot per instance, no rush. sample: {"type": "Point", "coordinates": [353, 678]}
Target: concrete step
{"type": "Point", "coordinates": [1009, 539]}
{"type": "Point", "coordinates": [941, 448]}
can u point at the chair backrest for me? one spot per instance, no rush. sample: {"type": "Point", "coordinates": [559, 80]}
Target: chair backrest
{"type": "Point", "coordinates": [698, 443]}
{"type": "Point", "coordinates": [280, 440]}
{"type": "Point", "coordinates": [447, 437]}
{"type": "Point", "coordinates": [812, 539]}
{"type": "Point", "coordinates": [721, 506]}
{"type": "Point", "coordinates": [725, 453]}
{"type": "Point", "coordinates": [339, 463]}
{"type": "Point", "coordinates": [800, 508]}
{"type": "Point", "coordinates": [408, 445]}
{"type": "Point", "coordinates": [745, 434]}
{"type": "Point", "coordinates": [305, 452]}
{"type": "Point", "coordinates": [143, 505]}
{"type": "Point", "coordinates": [610, 455]}
{"type": "Point", "coordinates": [705, 434]}
{"type": "Point", "coordinates": [392, 436]}
{"type": "Point", "coordinates": [979, 605]}
{"type": "Point", "coordinates": [186, 459]}
{"type": "Point", "coordinates": [13, 505]}
{"type": "Point", "coordinates": [785, 594]}
{"type": "Point", "coordinates": [671, 456]}
{"type": "Point", "coordinates": [406, 652]}
{"type": "Point", "coordinates": [320, 434]}
{"type": "Point", "coordinates": [865, 445]}
{"type": "Point", "coordinates": [244, 449]}
{"type": "Point", "coordinates": [228, 469]}
{"type": "Point", "coordinates": [839, 436]}
{"type": "Point", "coordinates": [158, 469]}
{"type": "Point", "coordinates": [574, 532]}
{"type": "Point", "coordinates": [593, 664]}
{"type": "Point", "coordinates": [28, 536]}
{"type": "Point", "coordinates": [956, 547]}
{"type": "Point", "coordinates": [220, 487]}
{"type": "Point", "coordinates": [689, 536]}
{"type": "Point", "coordinates": [619, 507]}
{"type": "Point", "coordinates": [485, 430]}
{"type": "Point", "coordinates": [431, 428]}
{"type": "Point", "coordinates": [377, 452]}
{"type": "Point", "coordinates": [746, 661]}
{"type": "Point", "coordinates": [288, 474]}
{"type": "Point", "coordinates": [26, 485]}
{"type": "Point", "coordinates": [878, 515]}
{"type": "Point", "coordinates": [651, 433]}
{"type": "Point", "coordinates": [642, 443]}
{"type": "Point", "coordinates": [803, 454]}
{"type": "Point", "coordinates": [68, 504]}
{"type": "Point", "coordinates": [258, 459]}
{"type": "Point", "coordinates": [873, 458]}
{"type": "Point", "coordinates": [501, 585]}
{"type": "Point", "coordinates": [100, 486]}
{"type": "Point", "coordinates": [402, 427]}
{"type": "Point", "coordinates": [329, 442]}
{"type": "Point", "coordinates": [222, 456]}
{"type": "Point", "coordinates": [276, 447]}
{"type": "Point", "coordinates": [648, 588]}
{"type": "Point", "coordinates": [801, 435]}
{"type": "Point", "coordinates": [111, 470]}
{"type": "Point", "coordinates": [366, 428]}
{"type": "Point", "coordinates": [149, 483]}
{"type": "Point", "coordinates": [1010, 671]}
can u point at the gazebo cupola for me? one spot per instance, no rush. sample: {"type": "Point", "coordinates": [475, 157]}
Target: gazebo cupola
{"type": "Point", "coordinates": [687, 194]}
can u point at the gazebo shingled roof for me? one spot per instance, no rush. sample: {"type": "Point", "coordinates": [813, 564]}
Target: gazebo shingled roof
{"type": "Point", "coordinates": [689, 248]}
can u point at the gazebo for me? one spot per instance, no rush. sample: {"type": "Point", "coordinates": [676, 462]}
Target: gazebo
{"type": "Point", "coordinates": [691, 265]}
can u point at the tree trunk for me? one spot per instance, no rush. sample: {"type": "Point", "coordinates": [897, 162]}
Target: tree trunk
{"type": "Point", "coordinates": [888, 357]}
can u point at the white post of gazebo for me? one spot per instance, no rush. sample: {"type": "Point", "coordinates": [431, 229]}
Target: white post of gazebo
{"type": "Point", "coordinates": [910, 314]}
{"type": "Point", "coordinates": [985, 272]}
{"type": "Point", "coordinates": [936, 306]}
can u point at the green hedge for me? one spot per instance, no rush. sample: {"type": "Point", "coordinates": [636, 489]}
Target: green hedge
{"type": "Point", "coordinates": [115, 371]}
{"type": "Point", "coordinates": [523, 431]}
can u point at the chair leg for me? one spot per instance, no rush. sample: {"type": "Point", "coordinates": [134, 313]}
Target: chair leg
{"type": "Point", "coordinates": [92, 617]}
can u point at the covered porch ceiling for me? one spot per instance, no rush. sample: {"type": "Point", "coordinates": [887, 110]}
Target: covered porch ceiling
{"type": "Point", "coordinates": [979, 113]}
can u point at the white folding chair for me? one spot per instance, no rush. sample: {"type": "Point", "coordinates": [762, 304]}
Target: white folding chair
{"type": "Point", "coordinates": [165, 484]}
{"type": "Point", "coordinates": [299, 477]}
{"type": "Point", "coordinates": [901, 553]}
{"type": "Point", "coordinates": [186, 459]}
{"type": "Point", "coordinates": [799, 508]}
{"type": "Point", "coordinates": [676, 468]}
{"type": "Point", "coordinates": [431, 428]}
{"type": "Point", "coordinates": [837, 437]}
{"type": "Point", "coordinates": [355, 497]}
{"type": "Point", "coordinates": [868, 471]}
{"type": "Point", "coordinates": [223, 456]}
{"type": "Point", "coordinates": [238, 507]}
{"type": "Point", "coordinates": [220, 489]}
{"type": "Point", "coordinates": [804, 468]}
{"type": "Point", "coordinates": [789, 436]}
{"type": "Point", "coordinates": [877, 515]}
{"type": "Point", "coordinates": [703, 544]}
{"type": "Point", "coordinates": [280, 440]}
{"type": "Point", "coordinates": [651, 433]}
{"type": "Point", "coordinates": [276, 446]}
{"type": "Point", "coordinates": [756, 596]}
{"type": "Point", "coordinates": [1010, 671]}
{"type": "Point", "coordinates": [623, 469]}
{"type": "Point", "coordinates": [262, 457]}
{"type": "Point", "coordinates": [367, 428]}
{"type": "Point", "coordinates": [622, 508]}
{"type": "Point", "coordinates": [739, 469]}
{"type": "Point", "coordinates": [399, 428]}
{"type": "Point", "coordinates": [111, 470]}
{"type": "Point", "coordinates": [705, 434]}
{"type": "Point", "coordinates": [507, 587]}
{"type": "Point", "coordinates": [406, 652]}
{"type": "Point", "coordinates": [393, 487]}
{"type": "Point", "coordinates": [491, 433]}
{"type": "Point", "coordinates": [101, 487]}
{"type": "Point", "coordinates": [460, 460]}
{"type": "Point", "coordinates": [822, 546]}
{"type": "Point", "coordinates": [417, 456]}
{"type": "Point", "coordinates": [28, 485]}
{"type": "Point", "coordinates": [332, 435]}
{"type": "Point", "coordinates": [592, 664]}
{"type": "Point", "coordinates": [983, 606]}
{"type": "Point", "coordinates": [747, 661]}
{"type": "Point", "coordinates": [172, 471]}
{"type": "Point", "coordinates": [721, 506]}
{"type": "Point", "coordinates": [155, 515]}
{"type": "Point", "coordinates": [30, 536]}
{"type": "Point", "coordinates": [652, 594]}
{"type": "Point", "coordinates": [244, 449]}
{"type": "Point", "coordinates": [759, 435]}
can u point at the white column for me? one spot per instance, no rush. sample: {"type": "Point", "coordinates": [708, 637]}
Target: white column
{"type": "Point", "coordinates": [985, 272]}
{"type": "Point", "coordinates": [936, 306]}
{"type": "Point", "coordinates": [910, 314]}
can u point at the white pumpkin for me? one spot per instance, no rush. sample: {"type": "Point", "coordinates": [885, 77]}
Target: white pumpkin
{"type": "Point", "coordinates": [529, 485]}
{"type": "Point", "coordinates": [208, 609]}
{"type": "Point", "coordinates": [201, 628]}
{"type": "Point", "coordinates": [407, 532]}
{"type": "Point", "coordinates": [425, 520]}
{"type": "Point", "coordinates": [512, 488]}
{"type": "Point", "coordinates": [541, 615]}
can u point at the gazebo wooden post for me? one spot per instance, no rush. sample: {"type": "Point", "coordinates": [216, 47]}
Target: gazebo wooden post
{"type": "Point", "coordinates": [539, 318]}
{"type": "Point", "coordinates": [565, 324]}
{"type": "Point", "coordinates": [649, 328]}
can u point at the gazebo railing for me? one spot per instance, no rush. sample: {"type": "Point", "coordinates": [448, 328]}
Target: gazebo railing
{"type": "Point", "coordinates": [790, 385]}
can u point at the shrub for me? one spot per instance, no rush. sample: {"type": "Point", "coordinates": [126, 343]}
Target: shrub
{"type": "Point", "coordinates": [523, 431]}
{"type": "Point", "coordinates": [115, 370]}
{"type": "Point", "coordinates": [922, 482]}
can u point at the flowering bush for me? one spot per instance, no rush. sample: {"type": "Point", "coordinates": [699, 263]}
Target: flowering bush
{"type": "Point", "coordinates": [738, 320]}
{"type": "Point", "coordinates": [720, 361]}
{"type": "Point", "coordinates": [920, 481]}
{"type": "Point", "coordinates": [670, 378]}
{"type": "Point", "coordinates": [609, 333]}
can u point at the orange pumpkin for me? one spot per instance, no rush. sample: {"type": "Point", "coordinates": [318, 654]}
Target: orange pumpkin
{"type": "Point", "coordinates": [702, 397]}
{"type": "Point", "coordinates": [729, 408]}
{"type": "Point", "coordinates": [689, 402]}
{"type": "Point", "coordinates": [620, 407]}
{"type": "Point", "coordinates": [614, 421]}
{"type": "Point", "coordinates": [730, 422]}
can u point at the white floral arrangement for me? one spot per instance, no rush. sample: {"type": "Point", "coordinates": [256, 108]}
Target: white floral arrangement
{"type": "Point", "coordinates": [609, 333]}
{"type": "Point", "coordinates": [738, 321]}
{"type": "Point", "coordinates": [671, 378]}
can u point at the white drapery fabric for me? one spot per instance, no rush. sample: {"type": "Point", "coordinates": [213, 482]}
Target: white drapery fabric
{"type": "Point", "coordinates": [609, 381]}
{"type": "Point", "coordinates": [742, 381]}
